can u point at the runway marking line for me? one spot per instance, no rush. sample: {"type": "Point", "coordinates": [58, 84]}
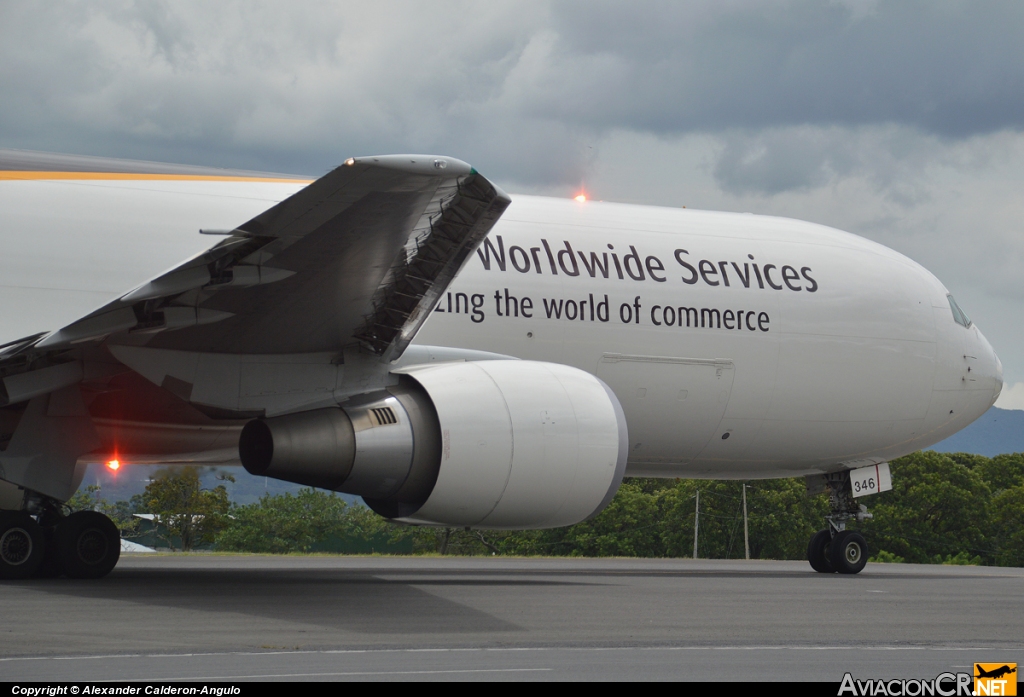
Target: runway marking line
{"type": "Point", "coordinates": [328, 675]}
{"type": "Point", "coordinates": [511, 649]}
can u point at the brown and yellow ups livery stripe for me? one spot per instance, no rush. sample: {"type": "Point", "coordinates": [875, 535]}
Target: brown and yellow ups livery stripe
{"type": "Point", "coordinates": [121, 176]}
{"type": "Point", "coordinates": [27, 165]}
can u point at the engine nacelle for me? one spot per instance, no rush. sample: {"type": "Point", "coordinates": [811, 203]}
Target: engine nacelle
{"type": "Point", "coordinates": [489, 444]}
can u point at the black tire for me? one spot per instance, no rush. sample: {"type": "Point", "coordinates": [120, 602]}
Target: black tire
{"type": "Point", "coordinates": [817, 552]}
{"type": "Point", "coordinates": [22, 545]}
{"type": "Point", "coordinates": [88, 543]}
{"type": "Point", "coordinates": [50, 566]}
{"type": "Point", "coordinates": [848, 552]}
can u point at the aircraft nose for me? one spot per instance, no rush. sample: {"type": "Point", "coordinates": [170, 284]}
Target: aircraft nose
{"type": "Point", "coordinates": [988, 366]}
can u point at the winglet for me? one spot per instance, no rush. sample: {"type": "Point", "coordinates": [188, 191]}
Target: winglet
{"type": "Point", "coordinates": [429, 165]}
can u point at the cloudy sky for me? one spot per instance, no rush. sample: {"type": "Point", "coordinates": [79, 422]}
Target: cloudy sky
{"type": "Point", "coordinates": [900, 121]}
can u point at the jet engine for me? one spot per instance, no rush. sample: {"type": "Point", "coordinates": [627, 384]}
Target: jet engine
{"type": "Point", "coordinates": [489, 444]}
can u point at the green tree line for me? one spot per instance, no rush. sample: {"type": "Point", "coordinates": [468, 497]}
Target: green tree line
{"type": "Point", "coordinates": [943, 508]}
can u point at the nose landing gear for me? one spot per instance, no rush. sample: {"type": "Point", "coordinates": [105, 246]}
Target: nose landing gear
{"type": "Point", "coordinates": [836, 549]}
{"type": "Point", "coordinates": [42, 542]}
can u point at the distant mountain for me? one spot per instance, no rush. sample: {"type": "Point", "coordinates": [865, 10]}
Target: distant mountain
{"type": "Point", "coordinates": [998, 431]}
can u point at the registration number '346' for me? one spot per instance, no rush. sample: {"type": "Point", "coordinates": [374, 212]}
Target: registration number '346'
{"type": "Point", "coordinates": [870, 480]}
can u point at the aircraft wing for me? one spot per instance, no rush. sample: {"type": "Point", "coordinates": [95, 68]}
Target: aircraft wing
{"type": "Point", "coordinates": [360, 255]}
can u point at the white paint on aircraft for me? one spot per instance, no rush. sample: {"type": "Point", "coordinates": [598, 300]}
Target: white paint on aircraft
{"type": "Point", "coordinates": [807, 348]}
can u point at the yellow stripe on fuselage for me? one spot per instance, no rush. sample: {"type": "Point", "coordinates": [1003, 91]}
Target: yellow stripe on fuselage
{"type": "Point", "coordinates": [121, 176]}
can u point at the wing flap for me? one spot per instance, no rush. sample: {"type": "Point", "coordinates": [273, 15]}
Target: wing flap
{"type": "Point", "coordinates": [402, 305]}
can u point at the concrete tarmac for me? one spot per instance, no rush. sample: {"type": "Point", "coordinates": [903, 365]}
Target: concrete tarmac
{"type": "Point", "coordinates": [209, 617]}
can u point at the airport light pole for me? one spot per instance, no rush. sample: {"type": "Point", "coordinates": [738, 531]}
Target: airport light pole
{"type": "Point", "coordinates": [746, 534]}
{"type": "Point", "coordinates": [696, 524]}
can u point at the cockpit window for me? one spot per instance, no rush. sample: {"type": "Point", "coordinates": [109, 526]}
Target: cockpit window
{"type": "Point", "coordinates": [958, 315]}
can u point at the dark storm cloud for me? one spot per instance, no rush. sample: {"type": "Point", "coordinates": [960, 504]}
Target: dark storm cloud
{"type": "Point", "coordinates": [525, 90]}
{"type": "Point", "coordinates": [954, 69]}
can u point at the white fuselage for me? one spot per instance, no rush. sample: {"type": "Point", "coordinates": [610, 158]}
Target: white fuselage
{"type": "Point", "coordinates": [739, 345]}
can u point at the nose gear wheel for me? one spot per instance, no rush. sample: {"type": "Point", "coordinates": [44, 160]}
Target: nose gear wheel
{"type": "Point", "coordinates": [848, 552]}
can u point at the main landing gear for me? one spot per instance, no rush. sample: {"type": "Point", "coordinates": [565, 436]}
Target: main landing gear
{"type": "Point", "coordinates": [42, 542]}
{"type": "Point", "coordinates": [836, 549]}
